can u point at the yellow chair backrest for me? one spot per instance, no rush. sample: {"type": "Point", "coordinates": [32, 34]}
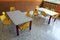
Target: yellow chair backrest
{"type": "Point", "coordinates": [28, 13]}
{"type": "Point", "coordinates": [3, 16]}
{"type": "Point", "coordinates": [0, 17]}
{"type": "Point", "coordinates": [43, 13]}
{"type": "Point", "coordinates": [37, 6]}
{"type": "Point", "coordinates": [3, 13]}
{"type": "Point", "coordinates": [55, 16]}
{"type": "Point", "coordinates": [52, 10]}
{"type": "Point", "coordinates": [7, 22]}
{"type": "Point", "coordinates": [46, 7]}
{"type": "Point", "coordinates": [35, 12]}
{"type": "Point", "coordinates": [12, 9]}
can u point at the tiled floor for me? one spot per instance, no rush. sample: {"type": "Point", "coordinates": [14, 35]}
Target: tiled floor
{"type": "Point", "coordinates": [40, 31]}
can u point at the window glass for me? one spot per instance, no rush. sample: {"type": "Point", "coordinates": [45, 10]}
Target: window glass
{"type": "Point", "coordinates": [54, 1]}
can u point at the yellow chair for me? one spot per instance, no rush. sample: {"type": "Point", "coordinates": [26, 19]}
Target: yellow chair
{"type": "Point", "coordinates": [5, 20]}
{"type": "Point", "coordinates": [24, 26]}
{"type": "Point", "coordinates": [28, 13]}
{"type": "Point", "coordinates": [55, 16]}
{"type": "Point", "coordinates": [35, 13]}
{"type": "Point", "coordinates": [12, 9]}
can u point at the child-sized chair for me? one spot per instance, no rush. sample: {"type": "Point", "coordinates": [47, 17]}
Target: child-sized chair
{"type": "Point", "coordinates": [12, 8]}
{"type": "Point", "coordinates": [35, 13]}
{"type": "Point", "coordinates": [28, 13]}
{"type": "Point", "coordinates": [5, 20]}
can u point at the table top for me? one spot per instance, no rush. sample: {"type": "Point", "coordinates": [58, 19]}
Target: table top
{"type": "Point", "coordinates": [18, 17]}
{"type": "Point", "coordinates": [49, 12]}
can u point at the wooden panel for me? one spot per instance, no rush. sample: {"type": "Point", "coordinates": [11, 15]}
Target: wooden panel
{"type": "Point", "coordinates": [58, 8]}
{"type": "Point", "coordinates": [22, 6]}
{"type": "Point", "coordinates": [49, 5]}
{"type": "Point", "coordinates": [20, 0]}
{"type": "Point", "coordinates": [4, 6]}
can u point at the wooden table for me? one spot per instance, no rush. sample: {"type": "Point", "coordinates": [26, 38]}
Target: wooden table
{"type": "Point", "coordinates": [49, 12]}
{"type": "Point", "coordinates": [18, 18]}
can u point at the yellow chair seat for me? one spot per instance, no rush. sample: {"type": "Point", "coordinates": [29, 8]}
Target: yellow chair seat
{"type": "Point", "coordinates": [7, 22]}
{"type": "Point", "coordinates": [24, 26]}
{"type": "Point", "coordinates": [43, 13]}
{"type": "Point", "coordinates": [55, 16]}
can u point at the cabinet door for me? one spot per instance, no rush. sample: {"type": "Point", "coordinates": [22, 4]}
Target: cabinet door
{"type": "Point", "coordinates": [58, 8]}
{"type": "Point", "coordinates": [9, 0]}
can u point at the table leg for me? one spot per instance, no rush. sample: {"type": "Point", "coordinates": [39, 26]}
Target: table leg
{"type": "Point", "coordinates": [30, 25]}
{"type": "Point", "coordinates": [49, 20]}
{"type": "Point", "coordinates": [17, 30]}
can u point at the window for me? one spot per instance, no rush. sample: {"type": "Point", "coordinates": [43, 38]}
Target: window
{"type": "Point", "coordinates": [54, 1]}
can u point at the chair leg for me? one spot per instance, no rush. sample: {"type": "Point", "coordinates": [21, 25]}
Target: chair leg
{"type": "Point", "coordinates": [2, 27]}
{"type": "Point", "coordinates": [54, 19]}
{"type": "Point", "coordinates": [7, 28]}
{"type": "Point", "coordinates": [45, 21]}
